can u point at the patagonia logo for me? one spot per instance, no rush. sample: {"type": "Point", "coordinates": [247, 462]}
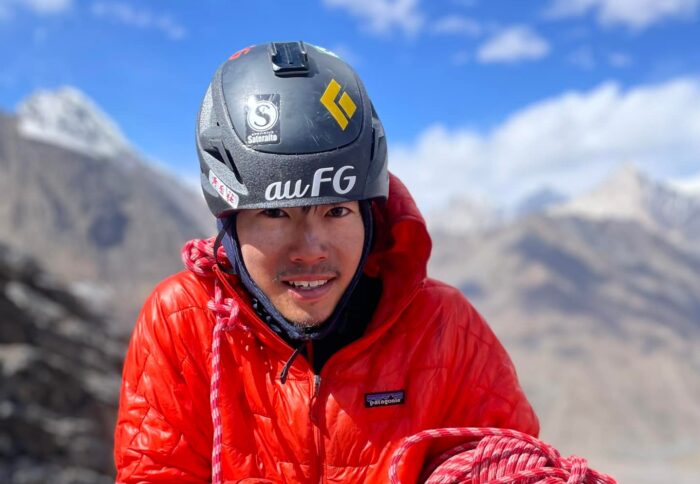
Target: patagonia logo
{"type": "Point", "coordinates": [384, 399]}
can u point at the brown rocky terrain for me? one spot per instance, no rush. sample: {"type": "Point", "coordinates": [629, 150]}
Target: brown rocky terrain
{"type": "Point", "coordinates": [601, 315]}
{"type": "Point", "coordinates": [60, 381]}
{"type": "Point", "coordinates": [110, 225]}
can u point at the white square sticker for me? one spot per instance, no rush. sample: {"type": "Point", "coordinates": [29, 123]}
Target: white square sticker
{"type": "Point", "coordinates": [226, 193]}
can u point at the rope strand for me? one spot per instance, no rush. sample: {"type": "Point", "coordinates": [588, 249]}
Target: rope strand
{"type": "Point", "coordinates": [198, 257]}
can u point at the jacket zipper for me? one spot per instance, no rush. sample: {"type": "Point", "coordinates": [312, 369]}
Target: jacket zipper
{"type": "Point", "coordinates": [314, 404]}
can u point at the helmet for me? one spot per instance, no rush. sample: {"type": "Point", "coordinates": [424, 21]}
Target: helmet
{"type": "Point", "coordinates": [288, 124]}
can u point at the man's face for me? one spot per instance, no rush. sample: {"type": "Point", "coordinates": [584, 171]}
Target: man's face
{"type": "Point", "coordinates": [304, 258]}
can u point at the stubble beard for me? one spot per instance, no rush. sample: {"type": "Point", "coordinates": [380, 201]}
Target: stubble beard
{"type": "Point", "coordinates": [307, 321]}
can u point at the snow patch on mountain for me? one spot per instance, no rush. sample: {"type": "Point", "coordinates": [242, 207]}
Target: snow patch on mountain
{"type": "Point", "coordinates": [68, 118]}
{"type": "Point", "coordinates": [630, 195]}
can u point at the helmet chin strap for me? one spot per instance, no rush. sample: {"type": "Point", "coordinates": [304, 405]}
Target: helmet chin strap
{"type": "Point", "coordinates": [229, 237]}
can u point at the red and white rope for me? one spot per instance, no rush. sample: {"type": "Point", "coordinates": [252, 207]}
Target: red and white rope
{"type": "Point", "coordinates": [198, 256]}
{"type": "Point", "coordinates": [495, 456]}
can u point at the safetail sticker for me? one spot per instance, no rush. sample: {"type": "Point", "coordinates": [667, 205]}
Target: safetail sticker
{"type": "Point", "coordinates": [384, 399]}
{"type": "Point", "coordinates": [262, 115]}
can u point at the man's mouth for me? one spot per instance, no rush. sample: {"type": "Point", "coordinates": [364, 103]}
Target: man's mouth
{"type": "Point", "coordinates": [310, 287]}
{"type": "Point", "coordinates": [307, 284]}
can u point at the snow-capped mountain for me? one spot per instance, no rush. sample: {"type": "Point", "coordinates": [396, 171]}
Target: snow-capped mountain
{"type": "Point", "coordinates": [67, 118]}
{"type": "Point", "coordinates": [601, 315]}
{"type": "Point", "coordinates": [629, 195]}
{"type": "Point", "coordinates": [78, 197]}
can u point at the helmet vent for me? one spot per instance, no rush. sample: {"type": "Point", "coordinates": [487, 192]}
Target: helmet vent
{"type": "Point", "coordinates": [216, 148]}
{"type": "Point", "coordinates": [229, 158]}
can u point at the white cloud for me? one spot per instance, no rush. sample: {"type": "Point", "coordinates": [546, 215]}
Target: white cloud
{"type": "Point", "coordinates": [636, 14]}
{"type": "Point", "coordinates": [140, 18]}
{"type": "Point", "coordinates": [456, 25]}
{"type": "Point", "coordinates": [569, 142]}
{"type": "Point", "coordinates": [513, 44]}
{"type": "Point", "coordinates": [42, 7]}
{"type": "Point", "coordinates": [689, 185]}
{"type": "Point", "coordinates": [383, 15]}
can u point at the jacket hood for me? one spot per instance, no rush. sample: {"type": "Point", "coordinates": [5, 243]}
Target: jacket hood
{"type": "Point", "coordinates": [402, 244]}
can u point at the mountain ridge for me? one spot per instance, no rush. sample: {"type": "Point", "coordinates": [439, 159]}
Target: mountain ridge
{"type": "Point", "coordinates": [66, 117]}
{"type": "Point", "coordinates": [116, 224]}
{"type": "Point", "coordinates": [602, 319]}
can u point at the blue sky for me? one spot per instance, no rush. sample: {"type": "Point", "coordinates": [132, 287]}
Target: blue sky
{"type": "Point", "coordinates": [487, 99]}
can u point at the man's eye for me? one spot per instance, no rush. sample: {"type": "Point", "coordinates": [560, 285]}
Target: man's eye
{"type": "Point", "coordinates": [338, 212]}
{"type": "Point", "coordinates": [274, 213]}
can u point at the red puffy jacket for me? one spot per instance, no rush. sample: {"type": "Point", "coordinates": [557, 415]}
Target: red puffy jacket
{"type": "Point", "coordinates": [427, 360]}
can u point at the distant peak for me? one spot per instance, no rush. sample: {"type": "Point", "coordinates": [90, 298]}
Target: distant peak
{"type": "Point", "coordinates": [630, 194]}
{"type": "Point", "coordinates": [627, 174]}
{"type": "Point", "coordinates": [69, 118]}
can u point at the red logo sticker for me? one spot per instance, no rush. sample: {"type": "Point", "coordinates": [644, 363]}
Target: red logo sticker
{"type": "Point", "coordinates": [240, 53]}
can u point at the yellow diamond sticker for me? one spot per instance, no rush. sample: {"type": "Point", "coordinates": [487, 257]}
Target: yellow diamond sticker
{"type": "Point", "coordinates": [345, 102]}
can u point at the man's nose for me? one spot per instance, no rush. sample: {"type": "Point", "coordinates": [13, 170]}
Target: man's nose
{"type": "Point", "coordinates": [310, 245]}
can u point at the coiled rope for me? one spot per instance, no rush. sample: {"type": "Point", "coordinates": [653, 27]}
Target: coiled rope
{"type": "Point", "coordinates": [496, 456]}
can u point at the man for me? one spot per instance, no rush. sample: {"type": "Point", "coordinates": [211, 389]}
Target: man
{"type": "Point", "coordinates": [311, 346]}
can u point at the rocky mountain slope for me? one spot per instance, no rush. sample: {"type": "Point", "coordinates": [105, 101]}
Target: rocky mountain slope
{"type": "Point", "coordinates": [602, 317]}
{"type": "Point", "coordinates": [59, 381]}
{"type": "Point", "coordinates": [77, 197]}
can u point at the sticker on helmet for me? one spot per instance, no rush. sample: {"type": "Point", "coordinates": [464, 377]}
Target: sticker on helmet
{"type": "Point", "coordinates": [262, 114]}
{"type": "Point", "coordinates": [240, 53]}
{"type": "Point", "coordinates": [340, 182]}
{"type": "Point", "coordinates": [228, 195]}
{"type": "Point", "coordinates": [345, 102]}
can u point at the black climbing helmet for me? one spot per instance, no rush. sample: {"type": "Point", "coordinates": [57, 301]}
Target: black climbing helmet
{"type": "Point", "coordinates": [288, 124]}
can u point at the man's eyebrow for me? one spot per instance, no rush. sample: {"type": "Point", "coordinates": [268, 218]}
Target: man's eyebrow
{"type": "Point", "coordinates": [328, 205]}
